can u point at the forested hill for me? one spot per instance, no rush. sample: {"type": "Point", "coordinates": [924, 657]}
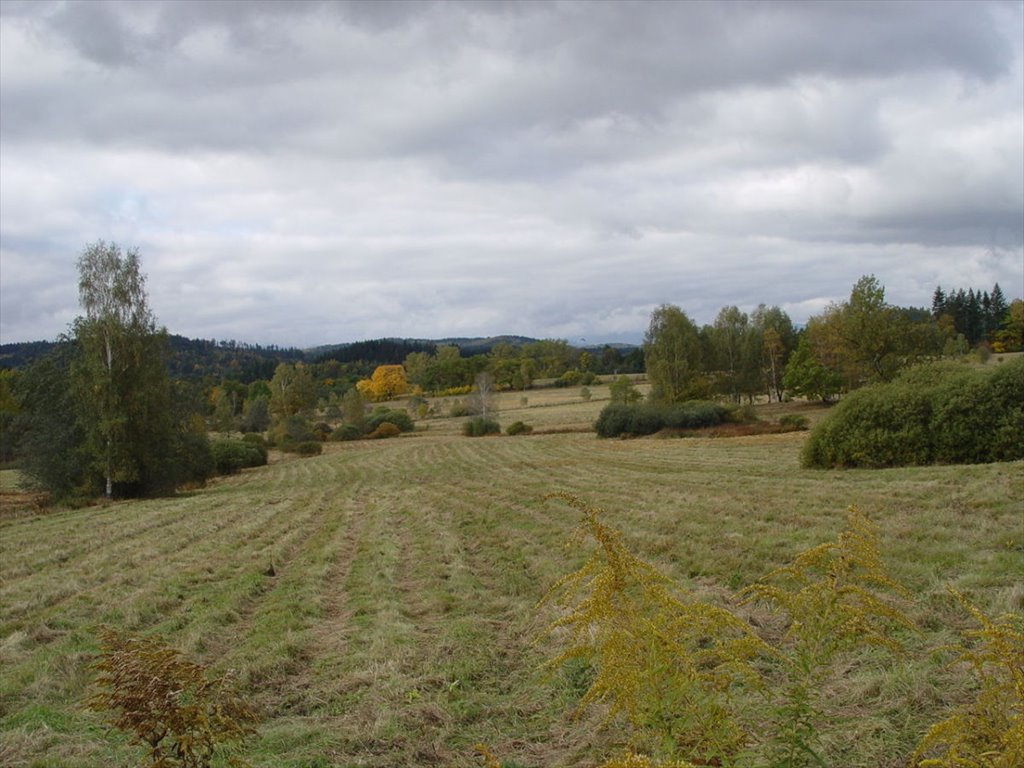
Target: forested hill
{"type": "Point", "coordinates": [23, 354]}
{"type": "Point", "coordinates": [189, 358]}
{"type": "Point", "coordinates": [216, 360]}
{"type": "Point", "coordinates": [394, 351]}
{"type": "Point", "coordinates": [200, 358]}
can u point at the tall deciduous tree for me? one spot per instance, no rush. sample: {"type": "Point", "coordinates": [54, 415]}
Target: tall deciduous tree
{"type": "Point", "coordinates": [483, 394]}
{"type": "Point", "coordinates": [778, 339]}
{"type": "Point", "coordinates": [673, 355]}
{"type": "Point", "coordinates": [120, 380]}
{"type": "Point", "coordinates": [50, 450]}
{"type": "Point", "coordinates": [727, 338]}
{"type": "Point", "coordinates": [292, 390]}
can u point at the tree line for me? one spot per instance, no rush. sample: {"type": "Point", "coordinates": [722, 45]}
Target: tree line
{"type": "Point", "coordinates": [859, 341]}
{"type": "Point", "coordinates": [106, 411]}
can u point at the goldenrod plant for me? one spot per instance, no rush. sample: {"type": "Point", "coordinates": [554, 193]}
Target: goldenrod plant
{"type": "Point", "coordinates": [665, 660]}
{"type": "Point", "coordinates": [670, 663]}
{"type": "Point", "coordinates": [832, 597]}
{"type": "Point", "coordinates": [988, 732]}
{"type": "Point", "coordinates": [169, 704]}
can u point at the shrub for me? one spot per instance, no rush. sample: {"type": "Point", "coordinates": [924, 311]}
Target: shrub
{"type": "Point", "coordinates": [400, 419]}
{"type": "Point", "coordinates": [792, 422]}
{"type": "Point", "coordinates": [261, 444]}
{"type": "Point", "coordinates": [185, 717]}
{"type": "Point", "coordinates": [346, 432]}
{"type": "Point", "coordinates": [307, 448]}
{"type": "Point", "coordinates": [293, 429]}
{"type": "Point", "coordinates": [620, 419]}
{"type": "Point", "coordinates": [194, 458]}
{"type": "Point", "coordinates": [586, 394]}
{"type": "Point", "coordinates": [569, 379]}
{"type": "Point", "coordinates": [384, 430]}
{"type": "Point", "coordinates": [944, 412]}
{"type": "Point", "coordinates": [230, 455]}
{"type": "Point", "coordinates": [623, 392]}
{"type": "Point", "coordinates": [519, 428]}
{"type": "Point", "coordinates": [322, 430]}
{"type": "Point", "coordinates": [479, 426]}
{"type": "Point", "coordinates": [458, 408]}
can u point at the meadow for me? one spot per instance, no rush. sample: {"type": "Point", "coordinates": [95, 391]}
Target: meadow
{"type": "Point", "coordinates": [379, 602]}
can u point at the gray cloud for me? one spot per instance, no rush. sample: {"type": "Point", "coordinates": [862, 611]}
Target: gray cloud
{"type": "Point", "coordinates": [310, 172]}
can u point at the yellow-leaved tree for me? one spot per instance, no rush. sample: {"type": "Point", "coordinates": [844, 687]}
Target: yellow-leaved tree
{"type": "Point", "coordinates": [386, 383]}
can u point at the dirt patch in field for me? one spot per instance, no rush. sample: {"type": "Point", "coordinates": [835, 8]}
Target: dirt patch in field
{"type": "Point", "coordinates": [23, 503]}
{"type": "Point", "coordinates": [730, 430]}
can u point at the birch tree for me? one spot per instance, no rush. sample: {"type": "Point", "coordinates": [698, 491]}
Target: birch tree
{"type": "Point", "coordinates": [120, 381]}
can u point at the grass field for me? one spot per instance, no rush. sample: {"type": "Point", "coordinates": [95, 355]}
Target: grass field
{"type": "Point", "coordinates": [379, 601]}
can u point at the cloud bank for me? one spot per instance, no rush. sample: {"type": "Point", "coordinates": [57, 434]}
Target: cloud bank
{"type": "Point", "coordinates": [305, 173]}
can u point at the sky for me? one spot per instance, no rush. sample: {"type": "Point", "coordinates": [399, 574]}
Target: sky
{"type": "Point", "coordinates": [307, 173]}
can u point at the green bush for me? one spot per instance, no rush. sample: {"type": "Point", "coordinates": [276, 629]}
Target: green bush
{"type": "Point", "coordinates": [518, 428]}
{"type": "Point", "coordinates": [194, 458]}
{"type": "Point", "coordinates": [619, 419]}
{"type": "Point", "coordinates": [479, 426]}
{"type": "Point", "coordinates": [307, 448]}
{"type": "Point", "coordinates": [230, 455]}
{"type": "Point", "coordinates": [322, 430]}
{"type": "Point", "coordinates": [400, 419]}
{"type": "Point", "coordinates": [793, 422]}
{"type": "Point", "coordinates": [938, 413]}
{"type": "Point", "coordinates": [257, 440]}
{"type": "Point", "coordinates": [346, 432]}
{"type": "Point", "coordinates": [293, 429]}
{"type": "Point", "coordinates": [569, 379]}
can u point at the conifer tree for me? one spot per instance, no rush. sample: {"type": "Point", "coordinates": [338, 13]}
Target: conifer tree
{"type": "Point", "coordinates": [938, 302]}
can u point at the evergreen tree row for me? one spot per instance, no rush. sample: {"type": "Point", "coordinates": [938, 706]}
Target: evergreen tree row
{"type": "Point", "coordinates": [975, 314]}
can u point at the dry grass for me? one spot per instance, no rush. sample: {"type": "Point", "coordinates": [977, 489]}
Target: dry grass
{"type": "Point", "coordinates": [379, 601]}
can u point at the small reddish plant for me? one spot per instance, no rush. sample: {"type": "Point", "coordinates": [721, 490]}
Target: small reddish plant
{"type": "Point", "coordinates": [171, 705]}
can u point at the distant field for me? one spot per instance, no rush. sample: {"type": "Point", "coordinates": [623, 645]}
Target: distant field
{"type": "Point", "coordinates": [379, 601]}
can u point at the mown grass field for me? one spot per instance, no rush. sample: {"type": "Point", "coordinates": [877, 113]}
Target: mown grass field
{"type": "Point", "coordinates": [378, 602]}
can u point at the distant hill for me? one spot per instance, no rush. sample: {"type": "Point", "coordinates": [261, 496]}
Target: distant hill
{"type": "Point", "coordinates": [189, 358]}
{"type": "Point", "coordinates": [379, 351]}
{"type": "Point", "coordinates": [23, 353]}
{"type": "Point", "coordinates": [483, 345]}
{"type": "Point", "coordinates": [202, 358]}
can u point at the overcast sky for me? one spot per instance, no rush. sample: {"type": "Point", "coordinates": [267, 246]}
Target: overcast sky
{"type": "Point", "coordinates": [303, 173]}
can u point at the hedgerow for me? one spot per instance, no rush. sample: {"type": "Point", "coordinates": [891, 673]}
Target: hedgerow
{"type": "Point", "coordinates": [619, 419]}
{"type": "Point", "coordinates": [939, 413]}
{"type": "Point", "coordinates": [478, 426]}
{"type": "Point", "coordinates": [230, 455]}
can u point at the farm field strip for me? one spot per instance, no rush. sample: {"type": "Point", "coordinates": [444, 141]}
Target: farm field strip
{"type": "Point", "coordinates": [379, 601]}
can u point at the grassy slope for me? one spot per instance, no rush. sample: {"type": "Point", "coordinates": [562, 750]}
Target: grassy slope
{"type": "Point", "coordinates": [396, 626]}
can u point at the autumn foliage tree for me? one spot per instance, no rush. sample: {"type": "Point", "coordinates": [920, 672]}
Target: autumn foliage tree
{"type": "Point", "coordinates": [386, 383]}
